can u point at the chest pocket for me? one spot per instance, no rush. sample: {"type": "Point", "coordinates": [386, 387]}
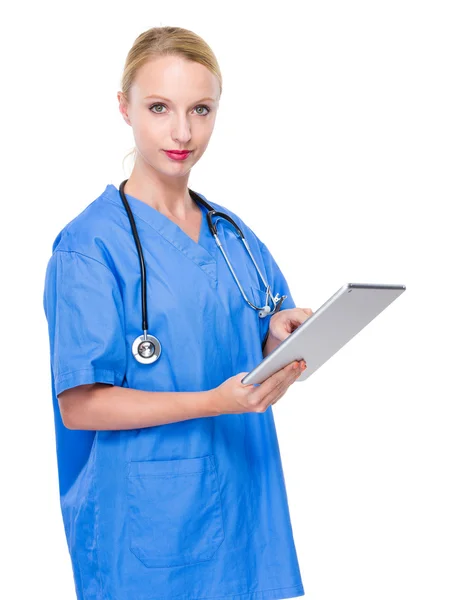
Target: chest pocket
{"type": "Point", "coordinates": [258, 297]}
{"type": "Point", "coordinates": [242, 263]}
{"type": "Point", "coordinates": [174, 511]}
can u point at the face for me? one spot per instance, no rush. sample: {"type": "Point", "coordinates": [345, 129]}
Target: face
{"type": "Point", "coordinates": [172, 106]}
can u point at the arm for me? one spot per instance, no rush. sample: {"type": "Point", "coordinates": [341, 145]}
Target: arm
{"type": "Point", "coordinates": [269, 345]}
{"type": "Point", "coordinates": [100, 406]}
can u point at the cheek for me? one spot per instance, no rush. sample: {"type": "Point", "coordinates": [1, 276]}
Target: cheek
{"type": "Point", "coordinates": [147, 137]}
{"type": "Point", "coordinates": [201, 133]}
{"type": "Point", "coordinates": [201, 144]}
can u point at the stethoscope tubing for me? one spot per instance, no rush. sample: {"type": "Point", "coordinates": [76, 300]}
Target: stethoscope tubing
{"type": "Point", "coordinates": [264, 311]}
{"type": "Point", "coordinates": [140, 256]}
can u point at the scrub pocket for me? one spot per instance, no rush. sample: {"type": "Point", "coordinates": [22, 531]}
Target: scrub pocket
{"type": "Point", "coordinates": [174, 511]}
{"type": "Point", "coordinates": [257, 297]}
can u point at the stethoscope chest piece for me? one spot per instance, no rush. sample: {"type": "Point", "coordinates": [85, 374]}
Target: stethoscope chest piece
{"type": "Point", "coordinates": [146, 349]}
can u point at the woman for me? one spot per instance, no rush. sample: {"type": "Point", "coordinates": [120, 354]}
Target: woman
{"type": "Point", "coordinates": [170, 474]}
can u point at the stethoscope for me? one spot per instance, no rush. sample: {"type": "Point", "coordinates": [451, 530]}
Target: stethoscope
{"type": "Point", "coordinates": [147, 348]}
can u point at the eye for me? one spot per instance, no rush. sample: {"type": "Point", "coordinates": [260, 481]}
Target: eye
{"type": "Point", "coordinates": [154, 105]}
{"type": "Point", "coordinates": [161, 111]}
{"type": "Point", "coordinates": [207, 108]}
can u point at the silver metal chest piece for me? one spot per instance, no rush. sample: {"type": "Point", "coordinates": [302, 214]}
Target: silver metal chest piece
{"type": "Point", "coordinates": [147, 350]}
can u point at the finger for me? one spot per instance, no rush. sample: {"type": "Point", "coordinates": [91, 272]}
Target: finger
{"type": "Point", "coordinates": [292, 378]}
{"type": "Point", "coordinates": [276, 395]}
{"type": "Point", "coordinates": [272, 397]}
{"type": "Point", "coordinates": [270, 388]}
{"type": "Point", "coordinates": [280, 388]}
{"type": "Point", "coordinates": [278, 398]}
{"type": "Point", "coordinates": [272, 384]}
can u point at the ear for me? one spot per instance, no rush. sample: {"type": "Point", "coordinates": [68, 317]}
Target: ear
{"type": "Point", "coordinates": [123, 107]}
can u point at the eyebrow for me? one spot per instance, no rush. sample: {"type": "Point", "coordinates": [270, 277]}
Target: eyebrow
{"type": "Point", "coordinates": [171, 101]}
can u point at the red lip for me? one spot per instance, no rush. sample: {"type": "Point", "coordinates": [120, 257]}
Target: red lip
{"type": "Point", "coordinates": [177, 154]}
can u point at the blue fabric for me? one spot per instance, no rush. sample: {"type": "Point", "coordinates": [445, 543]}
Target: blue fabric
{"type": "Point", "coordinates": [187, 510]}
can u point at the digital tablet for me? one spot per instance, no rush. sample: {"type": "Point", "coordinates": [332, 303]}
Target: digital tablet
{"type": "Point", "coordinates": [327, 330]}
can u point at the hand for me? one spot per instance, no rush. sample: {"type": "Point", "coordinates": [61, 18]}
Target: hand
{"type": "Point", "coordinates": [284, 322]}
{"type": "Point", "coordinates": [233, 397]}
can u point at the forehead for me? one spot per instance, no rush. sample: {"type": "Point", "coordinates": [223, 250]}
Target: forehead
{"type": "Point", "coordinates": [175, 77]}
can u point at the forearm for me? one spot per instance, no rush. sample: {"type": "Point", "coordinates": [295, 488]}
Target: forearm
{"type": "Point", "coordinates": [108, 407]}
{"type": "Point", "coordinates": [270, 345]}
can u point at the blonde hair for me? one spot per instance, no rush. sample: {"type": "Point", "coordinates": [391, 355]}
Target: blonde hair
{"type": "Point", "coordinates": [166, 41]}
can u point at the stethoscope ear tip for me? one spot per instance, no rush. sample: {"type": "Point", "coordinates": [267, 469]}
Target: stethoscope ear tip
{"type": "Point", "coordinates": [264, 311]}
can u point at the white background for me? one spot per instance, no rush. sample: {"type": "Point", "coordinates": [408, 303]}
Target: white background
{"type": "Point", "coordinates": [335, 141]}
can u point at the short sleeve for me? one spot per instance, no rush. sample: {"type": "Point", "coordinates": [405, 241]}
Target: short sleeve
{"type": "Point", "coordinates": [278, 283]}
{"type": "Point", "coordinates": [83, 307]}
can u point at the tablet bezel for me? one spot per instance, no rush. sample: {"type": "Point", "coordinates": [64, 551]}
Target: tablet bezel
{"type": "Point", "coordinates": [291, 348]}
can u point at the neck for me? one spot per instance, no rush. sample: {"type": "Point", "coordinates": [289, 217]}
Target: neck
{"type": "Point", "coordinates": [168, 195]}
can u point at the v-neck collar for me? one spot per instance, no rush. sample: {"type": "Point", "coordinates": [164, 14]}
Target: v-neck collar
{"type": "Point", "coordinates": [199, 252]}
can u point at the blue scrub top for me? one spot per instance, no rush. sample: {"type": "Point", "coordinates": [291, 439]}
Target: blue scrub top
{"type": "Point", "coordinates": [190, 510]}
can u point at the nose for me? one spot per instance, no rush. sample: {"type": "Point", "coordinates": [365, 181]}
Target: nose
{"type": "Point", "coordinates": [181, 132]}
